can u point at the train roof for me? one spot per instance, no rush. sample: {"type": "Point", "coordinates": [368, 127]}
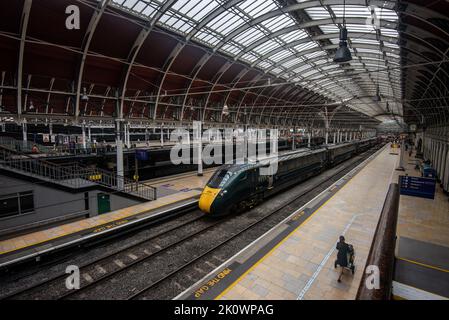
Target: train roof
{"type": "Point", "coordinates": [254, 163]}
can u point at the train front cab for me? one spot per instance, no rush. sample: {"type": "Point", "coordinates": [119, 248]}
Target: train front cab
{"type": "Point", "coordinates": [226, 188]}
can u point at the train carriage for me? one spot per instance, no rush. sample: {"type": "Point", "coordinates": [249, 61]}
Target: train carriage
{"type": "Point", "coordinates": [238, 186]}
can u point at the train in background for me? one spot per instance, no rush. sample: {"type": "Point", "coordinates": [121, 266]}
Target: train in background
{"type": "Point", "coordinates": [235, 187]}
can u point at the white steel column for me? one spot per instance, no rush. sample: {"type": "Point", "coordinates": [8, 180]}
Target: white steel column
{"type": "Point", "coordinates": [24, 133]}
{"type": "Point", "coordinates": [199, 146]}
{"type": "Point", "coordinates": [294, 139]}
{"type": "Point", "coordinates": [162, 135]}
{"type": "Point", "coordinates": [83, 131]}
{"type": "Point", "coordinates": [309, 138]}
{"type": "Point", "coordinates": [89, 135]}
{"type": "Point", "coordinates": [119, 153]}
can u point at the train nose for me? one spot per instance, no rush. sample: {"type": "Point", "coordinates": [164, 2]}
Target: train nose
{"type": "Point", "coordinates": [207, 198]}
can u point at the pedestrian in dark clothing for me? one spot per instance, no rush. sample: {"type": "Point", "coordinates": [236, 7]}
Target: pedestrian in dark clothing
{"type": "Point", "coordinates": [342, 255]}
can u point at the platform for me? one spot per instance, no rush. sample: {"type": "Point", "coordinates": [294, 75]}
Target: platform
{"type": "Point", "coordinates": [174, 193]}
{"type": "Point", "coordinates": [295, 259]}
{"type": "Point", "coordinates": [422, 247]}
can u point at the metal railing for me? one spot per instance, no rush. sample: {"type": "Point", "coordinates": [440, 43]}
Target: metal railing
{"type": "Point", "coordinates": [21, 146]}
{"type": "Point", "coordinates": [73, 175]}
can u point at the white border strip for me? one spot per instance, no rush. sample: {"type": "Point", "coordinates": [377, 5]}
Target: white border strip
{"type": "Point", "coordinates": [227, 262]}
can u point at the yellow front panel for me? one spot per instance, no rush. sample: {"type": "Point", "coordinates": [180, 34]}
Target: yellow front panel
{"type": "Point", "coordinates": [207, 198]}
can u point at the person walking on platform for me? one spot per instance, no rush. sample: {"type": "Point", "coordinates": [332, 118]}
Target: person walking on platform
{"type": "Point", "coordinates": [344, 256]}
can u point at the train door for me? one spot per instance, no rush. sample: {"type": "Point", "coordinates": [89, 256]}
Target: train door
{"type": "Point", "coordinates": [253, 180]}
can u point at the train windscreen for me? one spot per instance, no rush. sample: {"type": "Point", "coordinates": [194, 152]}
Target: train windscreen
{"type": "Point", "coordinates": [219, 179]}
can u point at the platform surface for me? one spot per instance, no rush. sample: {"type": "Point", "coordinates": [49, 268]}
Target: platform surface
{"type": "Point", "coordinates": [175, 190]}
{"type": "Point", "coordinates": [300, 263]}
{"type": "Point", "coordinates": [422, 248]}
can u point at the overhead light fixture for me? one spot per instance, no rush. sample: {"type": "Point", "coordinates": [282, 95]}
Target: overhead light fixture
{"type": "Point", "coordinates": [84, 97]}
{"type": "Point", "coordinates": [343, 54]}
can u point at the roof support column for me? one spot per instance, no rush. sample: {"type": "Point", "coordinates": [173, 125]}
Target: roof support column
{"type": "Point", "coordinates": [98, 13]}
{"type": "Point", "coordinates": [294, 138]}
{"type": "Point", "coordinates": [23, 32]}
{"type": "Point", "coordinates": [24, 133]}
{"type": "Point", "coordinates": [198, 151]}
{"type": "Point", "coordinates": [119, 144]}
{"type": "Point", "coordinates": [309, 138]}
{"type": "Point", "coordinates": [162, 134]}
{"type": "Point", "coordinates": [83, 132]}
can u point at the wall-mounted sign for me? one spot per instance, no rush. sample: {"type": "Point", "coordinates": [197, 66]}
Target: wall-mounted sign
{"type": "Point", "coordinates": [417, 187]}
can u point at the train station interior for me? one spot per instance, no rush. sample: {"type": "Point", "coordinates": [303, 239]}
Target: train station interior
{"type": "Point", "coordinates": [193, 150]}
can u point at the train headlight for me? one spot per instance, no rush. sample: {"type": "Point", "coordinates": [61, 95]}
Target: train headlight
{"type": "Point", "coordinates": [223, 193]}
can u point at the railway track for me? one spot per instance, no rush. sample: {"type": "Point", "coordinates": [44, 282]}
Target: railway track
{"type": "Point", "coordinates": [160, 264]}
{"type": "Point", "coordinates": [60, 278]}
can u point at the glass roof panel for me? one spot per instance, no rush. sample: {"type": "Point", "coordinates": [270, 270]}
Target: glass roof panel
{"type": "Point", "coordinates": [274, 44]}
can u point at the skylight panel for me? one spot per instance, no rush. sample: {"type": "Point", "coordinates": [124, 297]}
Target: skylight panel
{"type": "Point", "coordinates": [315, 54]}
{"type": "Point", "coordinates": [279, 22]}
{"type": "Point", "coordinates": [280, 55]}
{"type": "Point", "coordinates": [360, 28]}
{"type": "Point", "coordinates": [389, 32]}
{"type": "Point", "coordinates": [305, 46]}
{"type": "Point", "coordinates": [140, 5]}
{"type": "Point", "coordinates": [226, 22]}
{"type": "Point", "coordinates": [318, 13]}
{"type": "Point", "coordinates": [386, 14]}
{"type": "Point", "coordinates": [249, 57]}
{"type": "Point", "coordinates": [256, 8]}
{"type": "Point", "coordinates": [290, 63]}
{"type": "Point", "coordinates": [231, 48]}
{"type": "Point", "coordinates": [294, 35]}
{"type": "Point", "coordinates": [264, 65]}
{"type": "Point", "coordinates": [130, 3]}
{"type": "Point", "coordinates": [250, 35]}
{"type": "Point", "coordinates": [208, 37]}
{"type": "Point", "coordinates": [351, 11]}
{"type": "Point", "coordinates": [329, 28]}
{"type": "Point", "coordinates": [266, 47]}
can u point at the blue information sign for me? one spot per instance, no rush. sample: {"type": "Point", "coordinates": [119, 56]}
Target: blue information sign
{"type": "Point", "coordinates": [417, 187]}
{"type": "Point", "coordinates": [141, 154]}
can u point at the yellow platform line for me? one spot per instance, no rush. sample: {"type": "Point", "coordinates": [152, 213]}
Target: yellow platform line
{"type": "Point", "coordinates": [93, 226]}
{"type": "Point", "coordinates": [424, 265]}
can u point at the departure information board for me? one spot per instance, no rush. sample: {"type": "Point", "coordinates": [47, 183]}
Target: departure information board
{"type": "Point", "coordinates": [417, 187]}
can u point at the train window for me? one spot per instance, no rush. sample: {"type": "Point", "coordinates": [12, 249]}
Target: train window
{"type": "Point", "coordinates": [217, 178]}
{"type": "Point", "coordinates": [244, 176]}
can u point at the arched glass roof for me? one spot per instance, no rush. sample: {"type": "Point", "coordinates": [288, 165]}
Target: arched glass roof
{"type": "Point", "coordinates": [296, 42]}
